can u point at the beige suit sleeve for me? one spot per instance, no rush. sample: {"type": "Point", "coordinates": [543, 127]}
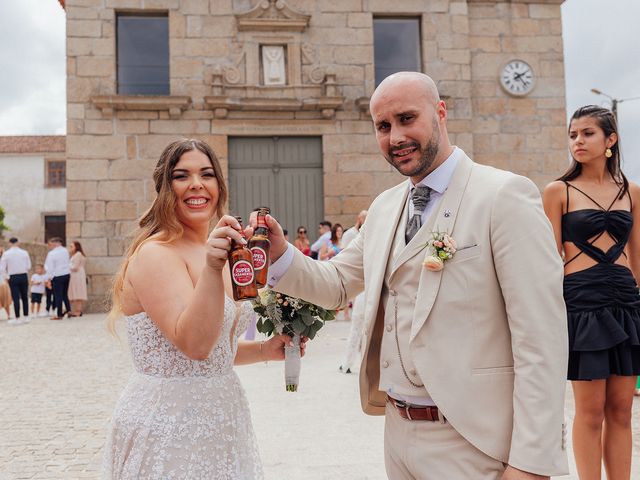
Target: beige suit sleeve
{"type": "Point", "coordinates": [329, 284]}
{"type": "Point", "coordinates": [530, 273]}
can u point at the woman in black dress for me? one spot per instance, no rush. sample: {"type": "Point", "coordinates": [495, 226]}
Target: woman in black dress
{"type": "Point", "coordinates": [595, 213]}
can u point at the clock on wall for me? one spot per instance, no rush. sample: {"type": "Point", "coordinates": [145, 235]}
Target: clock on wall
{"type": "Point", "coordinates": [517, 78]}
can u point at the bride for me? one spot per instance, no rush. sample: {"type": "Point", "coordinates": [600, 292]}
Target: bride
{"type": "Point", "coordinates": [184, 414]}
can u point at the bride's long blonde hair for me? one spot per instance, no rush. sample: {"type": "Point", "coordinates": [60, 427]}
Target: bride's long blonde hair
{"type": "Point", "coordinates": [160, 222]}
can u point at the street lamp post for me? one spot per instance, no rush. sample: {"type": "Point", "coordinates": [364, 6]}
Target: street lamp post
{"type": "Point", "coordinates": [614, 101]}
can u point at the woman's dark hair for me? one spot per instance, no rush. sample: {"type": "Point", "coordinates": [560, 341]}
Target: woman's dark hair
{"type": "Point", "coordinates": [334, 233]}
{"type": "Point", "coordinates": [607, 122]}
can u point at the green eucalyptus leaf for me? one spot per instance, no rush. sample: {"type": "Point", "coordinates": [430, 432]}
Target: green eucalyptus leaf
{"type": "Point", "coordinates": [298, 325]}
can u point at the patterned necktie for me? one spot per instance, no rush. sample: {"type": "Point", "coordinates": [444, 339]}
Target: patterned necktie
{"type": "Point", "coordinates": [420, 197]}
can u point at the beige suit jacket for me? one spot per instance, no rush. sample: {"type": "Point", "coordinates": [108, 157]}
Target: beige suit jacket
{"type": "Point", "coordinates": [489, 331]}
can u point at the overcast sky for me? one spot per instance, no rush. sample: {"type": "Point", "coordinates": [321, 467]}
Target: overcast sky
{"type": "Point", "coordinates": [601, 45]}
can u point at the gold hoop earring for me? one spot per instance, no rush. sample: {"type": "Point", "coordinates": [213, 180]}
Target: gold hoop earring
{"type": "Point", "coordinates": [608, 153]}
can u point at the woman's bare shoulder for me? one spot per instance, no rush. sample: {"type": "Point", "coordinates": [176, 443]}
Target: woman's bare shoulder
{"type": "Point", "coordinates": [154, 254]}
{"type": "Point", "coordinates": [554, 192]}
{"type": "Point", "coordinates": [555, 187]}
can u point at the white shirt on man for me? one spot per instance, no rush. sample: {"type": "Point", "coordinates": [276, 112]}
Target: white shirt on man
{"type": "Point", "coordinates": [15, 261]}
{"type": "Point", "coordinates": [57, 262]}
{"type": "Point", "coordinates": [437, 181]}
{"type": "Point", "coordinates": [323, 240]}
{"type": "Point", "coordinates": [348, 236]}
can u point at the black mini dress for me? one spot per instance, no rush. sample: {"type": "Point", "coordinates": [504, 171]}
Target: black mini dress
{"type": "Point", "coordinates": [603, 303]}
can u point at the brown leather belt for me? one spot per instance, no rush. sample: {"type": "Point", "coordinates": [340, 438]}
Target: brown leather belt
{"type": "Point", "coordinates": [416, 412]}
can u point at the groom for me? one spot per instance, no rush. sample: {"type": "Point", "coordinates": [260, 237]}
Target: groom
{"type": "Point", "coordinates": [468, 363]}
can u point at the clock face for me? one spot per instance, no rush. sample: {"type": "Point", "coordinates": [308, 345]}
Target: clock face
{"type": "Point", "coordinates": [517, 78]}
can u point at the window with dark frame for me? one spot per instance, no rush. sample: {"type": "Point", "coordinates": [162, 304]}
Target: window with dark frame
{"type": "Point", "coordinates": [55, 226]}
{"type": "Point", "coordinates": [143, 53]}
{"type": "Point", "coordinates": [56, 175]}
{"type": "Point", "coordinates": [396, 46]}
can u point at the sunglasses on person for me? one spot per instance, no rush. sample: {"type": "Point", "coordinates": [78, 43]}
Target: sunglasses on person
{"type": "Point", "coordinates": [302, 231]}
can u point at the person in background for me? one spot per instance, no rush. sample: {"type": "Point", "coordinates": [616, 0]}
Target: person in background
{"type": "Point", "coordinates": [78, 281]}
{"type": "Point", "coordinates": [15, 264]}
{"type": "Point", "coordinates": [302, 241]}
{"type": "Point", "coordinates": [352, 232]}
{"type": "Point", "coordinates": [324, 230]}
{"type": "Point", "coordinates": [57, 266]}
{"type": "Point", "coordinates": [50, 304]}
{"type": "Point", "coordinates": [334, 246]}
{"type": "Point", "coordinates": [330, 250]}
{"type": "Point", "coordinates": [5, 292]}
{"type": "Point", "coordinates": [38, 280]}
{"type": "Point", "coordinates": [595, 213]}
{"type": "Point", "coordinates": [357, 315]}
{"type": "Point", "coordinates": [286, 234]}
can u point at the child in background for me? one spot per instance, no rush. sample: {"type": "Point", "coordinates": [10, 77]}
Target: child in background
{"type": "Point", "coordinates": [38, 280]}
{"type": "Point", "coordinates": [48, 288]}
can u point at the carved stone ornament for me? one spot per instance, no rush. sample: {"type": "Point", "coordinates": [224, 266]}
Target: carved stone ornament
{"type": "Point", "coordinates": [273, 65]}
{"type": "Point", "coordinates": [272, 15]}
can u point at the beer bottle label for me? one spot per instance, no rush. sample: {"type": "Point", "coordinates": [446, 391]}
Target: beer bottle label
{"type": "Point", "coordinates": [242, 273]}
{"type": "Point", "coordinates": [259, 258]}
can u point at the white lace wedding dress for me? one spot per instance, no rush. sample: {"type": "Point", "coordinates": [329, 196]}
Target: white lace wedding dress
{"type": "Point", "coordinates": [180, 418]}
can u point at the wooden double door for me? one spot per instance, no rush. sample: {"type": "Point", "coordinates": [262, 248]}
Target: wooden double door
{"type": "Point", "coordinates": [283, 173]}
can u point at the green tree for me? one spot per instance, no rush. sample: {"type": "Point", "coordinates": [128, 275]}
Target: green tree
{"type": "Point", "coordinates": [3, 227]}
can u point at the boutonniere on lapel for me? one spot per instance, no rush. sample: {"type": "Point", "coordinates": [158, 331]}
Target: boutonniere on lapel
{"type": "Point", "coordinates": [440, 248]}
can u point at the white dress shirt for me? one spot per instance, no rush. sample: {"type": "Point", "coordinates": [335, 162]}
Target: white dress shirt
{"type": "Point", "coordinates": [324, 238]}
{"type": "Point", "coordinates": [348, 236]}
{"type": "Point", "coordinates": [438, 181]}
{"type": "Point", "coordinates": [15, 261]}
{"type": "Point", "coordinates": [57, 262]}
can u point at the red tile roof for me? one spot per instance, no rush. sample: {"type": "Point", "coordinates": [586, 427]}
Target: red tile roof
{"type": "Point", "coordinates": [32, 144]}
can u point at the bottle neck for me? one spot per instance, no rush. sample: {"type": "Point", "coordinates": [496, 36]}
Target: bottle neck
{"type": "Point", "coordinates": [261, 230]}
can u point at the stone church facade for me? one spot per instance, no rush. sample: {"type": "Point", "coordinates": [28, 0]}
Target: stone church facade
{"type": "Point", "coordinates": [280, 89]}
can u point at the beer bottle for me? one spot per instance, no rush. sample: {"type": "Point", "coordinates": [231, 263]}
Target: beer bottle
{"type": "Point", "coordinates": [243, 279]}
{"type": "Point", "coordinates": [259, 245]}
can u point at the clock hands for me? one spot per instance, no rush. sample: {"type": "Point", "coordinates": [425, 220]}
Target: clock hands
{"type": "Point", "coordinates": [518, 76]}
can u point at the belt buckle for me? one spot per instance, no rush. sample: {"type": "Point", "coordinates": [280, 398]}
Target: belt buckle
{"type": "Point", "coordinates": [403, 405]}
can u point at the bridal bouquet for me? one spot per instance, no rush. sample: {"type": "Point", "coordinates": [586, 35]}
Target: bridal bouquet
{"type": "Point", "coordinates": [291, 316]}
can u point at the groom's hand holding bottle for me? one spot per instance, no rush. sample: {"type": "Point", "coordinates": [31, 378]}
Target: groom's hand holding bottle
{"type": "Point", "coordinates": [276, 235]}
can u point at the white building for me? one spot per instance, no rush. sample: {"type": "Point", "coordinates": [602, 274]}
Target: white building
{"type": "Point", "coordinates": [33, 190]}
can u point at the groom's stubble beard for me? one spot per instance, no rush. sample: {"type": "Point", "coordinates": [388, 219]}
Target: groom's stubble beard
{"type": "Point", "coordinates": [428, 153]}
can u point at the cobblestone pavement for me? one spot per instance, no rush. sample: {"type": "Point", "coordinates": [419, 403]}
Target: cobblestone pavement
{"type": "Point", "coordinates": [59, 382]}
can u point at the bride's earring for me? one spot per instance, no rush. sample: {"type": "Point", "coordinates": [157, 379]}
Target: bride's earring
{"type": "Point", "coordinates": [608, 153]}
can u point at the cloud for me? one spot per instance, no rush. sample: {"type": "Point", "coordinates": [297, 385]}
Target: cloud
{"type": "Point", "coordinates": [32, 61]}
{"type": "Point", "coordinates": [601, 51]}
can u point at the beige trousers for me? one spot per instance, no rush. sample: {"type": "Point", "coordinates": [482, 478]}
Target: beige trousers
{"type": "Point", "coordinates": [421, 450]}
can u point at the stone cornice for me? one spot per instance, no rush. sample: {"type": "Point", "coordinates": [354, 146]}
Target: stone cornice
{"type": "Point", "coordinates": [172, 103]}
{"type": "Point", "coordinates": [222, 104]}
{"type": "Point", "coordinates": [273, 16]}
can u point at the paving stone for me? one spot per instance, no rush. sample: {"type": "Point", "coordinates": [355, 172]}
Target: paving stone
{"type": "Point", "coordinates": [61, 380]}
